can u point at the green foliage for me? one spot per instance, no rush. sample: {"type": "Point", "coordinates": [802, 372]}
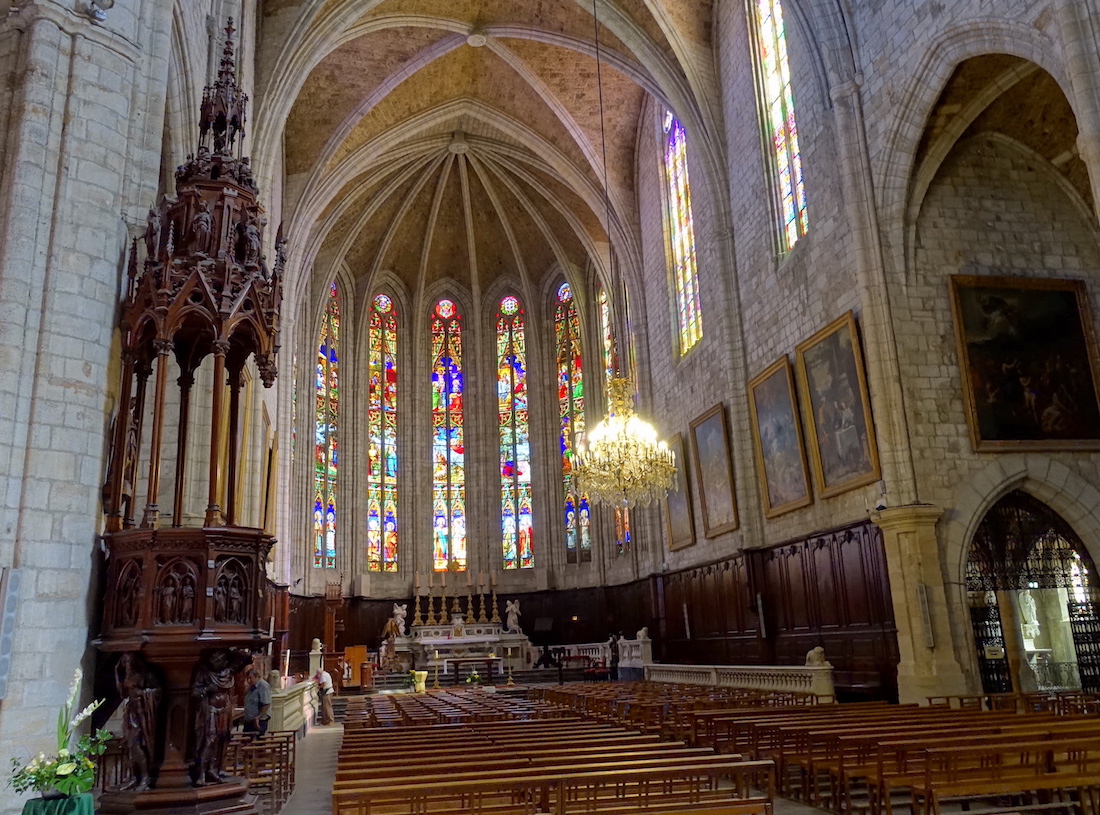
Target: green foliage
{"type": "Point", "coordinates": [72, 770]}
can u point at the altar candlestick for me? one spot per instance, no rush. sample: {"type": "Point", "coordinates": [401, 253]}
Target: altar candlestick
{"type": "Point", "coordinates": [469, 579]}
{"type": "Point", "coordinates": [443, 578]}
{"type": "Point", "coordinates": [493, 580]}
{"type": "Point", "coordinates": [418, 582]}
{"type": "Point", "coordinates": [431, 579]}
{"type": "Point", "coordinates": [481, 580]}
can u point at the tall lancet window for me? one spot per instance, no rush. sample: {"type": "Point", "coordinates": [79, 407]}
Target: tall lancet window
{"type": "Point", "coordinates": [326, 456]}
{"type": "Point", "coordinates": [777, 113]}
{"type": "Point", "coordinates": [448, 447]}
{"type": "Point", "coordinates": [515, 437]}
{"type": "Point", "coordinates": [382, 436]}
{"type": "Point", "coordinates": [610, 366]}
{"type": "Point", "coordinates": [578, 536]}
{"type": "Point", "coordinates": [681, 236]}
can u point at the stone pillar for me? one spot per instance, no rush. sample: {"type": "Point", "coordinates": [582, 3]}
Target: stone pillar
{"type": "Point", "coordinates": [76, 95]}
{"type": "Point", "coordinates": [928, 666]}
{"type": "Point", "coordinates": [1083, 63]}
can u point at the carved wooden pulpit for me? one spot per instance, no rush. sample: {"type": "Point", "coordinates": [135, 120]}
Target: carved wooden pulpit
{"type": "Point", "coordinates": [187, 601]}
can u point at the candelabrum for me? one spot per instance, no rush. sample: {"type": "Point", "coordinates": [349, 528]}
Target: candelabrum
{"type": "Point", "coordinates": [455, 607]}
{"type": "Point", "coordinates": [469, 605]}
{"type": "Point", "coordinates": [496, 612]}
{"type": "Point", "coordinates": [430, 618]}
{"type": "Point", "coordinates": [435, 684]}
{"type": "Point", "coordinates": [416, 611]}
{"type": "Point", "coordinates": [481, 618]}
{"type": "Point", "coordinates": [511, 680]}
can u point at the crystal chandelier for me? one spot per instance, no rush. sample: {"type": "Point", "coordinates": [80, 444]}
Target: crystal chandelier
{"type": "Point", "coordinates": [621, 463]}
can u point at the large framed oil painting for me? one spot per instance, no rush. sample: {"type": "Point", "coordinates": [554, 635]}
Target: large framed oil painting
{"type": "Point", "coordinates": [679, 523]}
{"type": "Point", "coordinates": [833, 385]}
{"type": "Point", "coordinates": [713, 471]}
{"type": "Point", "coordinates": [1028, 359]}
{"type": "Point", "coordinates": [777, 440]}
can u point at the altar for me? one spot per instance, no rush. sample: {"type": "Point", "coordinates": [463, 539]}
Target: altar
{"type": "Point", "coordinates": [469, 637]}
{"type": "Point", "coordinates": [490, 662]}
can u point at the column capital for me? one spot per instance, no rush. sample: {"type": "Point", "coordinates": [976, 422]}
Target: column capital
{"type": "Point", "coordinates": [911, 516]}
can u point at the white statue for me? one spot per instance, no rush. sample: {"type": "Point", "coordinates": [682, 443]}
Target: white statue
{"type": "Point", "coordinates": [1029, 620]}
{"type": "Point", "coordinates": [511, 611]}
{"type": "Point", "coordinates": [399, 612]}
{"type": "Point", "coordinates": [815, 658]}
{"type": "Point", "coordinates": [643, 633]}
{"type": "Point", "coordinates": [315, 647]}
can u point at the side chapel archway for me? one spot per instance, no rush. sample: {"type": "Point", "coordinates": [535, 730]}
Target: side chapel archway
{"type": "Point", "coordinates": [1034, 600]}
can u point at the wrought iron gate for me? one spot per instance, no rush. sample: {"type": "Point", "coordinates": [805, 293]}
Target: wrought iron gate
{"type": "Point", "coordinates": [1021, 544]}
{"type": "Point", "coordinates": [1084, 622]}
{"type": "Point", "coordinates": [986, 620]}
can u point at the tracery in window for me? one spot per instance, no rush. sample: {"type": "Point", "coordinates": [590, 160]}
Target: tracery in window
{"type": "Point", "coordinates": [578, 537]}
{"type": "Point", "coordinates": [382, 436]}
{"type": "Point", "coordinates": [448, 447]}
{"type": "Point", "coordinates": [515, 437]}
{"type": "Point", "coordinates": [681, 236]}
{"type": "Point", "coordinates": [777, 111]}
{"type": "Point", "coordinates": [326, 450]}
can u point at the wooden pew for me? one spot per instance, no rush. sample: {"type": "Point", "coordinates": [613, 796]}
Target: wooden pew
{"type": "Point", "coordinates": [666, 790]}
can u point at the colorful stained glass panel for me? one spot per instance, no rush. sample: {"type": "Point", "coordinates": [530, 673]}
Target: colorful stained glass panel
{"type": "Point", "coordinates": [448, 446]}
{"type": "Point", "coordinates": [382, 436]}
{"type": "Point", "coordinates": [578, 537]}
{"type": "Point", "coordinates": [517, 530]}
{"type": "Point", "coordinates": [326, 449]}
{"type": "Point", "coordinates": [681, 235]}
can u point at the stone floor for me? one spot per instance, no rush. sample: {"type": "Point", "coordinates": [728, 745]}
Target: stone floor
{"type": "Point", "coordinates": [316, 769]}
{"type": "Point", "coordinates": [315, 772]}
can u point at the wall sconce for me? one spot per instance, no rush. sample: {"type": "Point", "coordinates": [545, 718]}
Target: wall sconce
{"type": "Point", "coordinates": [97, 9]}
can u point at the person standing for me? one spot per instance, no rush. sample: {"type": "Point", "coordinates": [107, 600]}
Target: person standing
{"type": "Point", "coordinates": [257, 704]}
{"type": "Point", "coordinates": [324, 688]}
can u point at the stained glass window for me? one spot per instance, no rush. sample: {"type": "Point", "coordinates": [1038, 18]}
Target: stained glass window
{"type": "Point", "coordinates": [448, 447]}
{"type": "Point", "coordinates": [611, 364]}
{"type": "Point", "coordinates": [777, 103]}
{"type": "Point", "coordinates": [578, 537]}
{"type": "Point", "coordinates": [515, 437]}
{"type": "Point", "coordinates": [326, 451]}
{"type": "Point", "coordinates": [382, 436]}
{"type": "Point", "coordinates": [681, 236]}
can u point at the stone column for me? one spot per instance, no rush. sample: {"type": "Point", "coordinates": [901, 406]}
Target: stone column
{"type": "Point", "coordinates": [928, 666]}
{"type": "Point", "coordinates": [73, 107]}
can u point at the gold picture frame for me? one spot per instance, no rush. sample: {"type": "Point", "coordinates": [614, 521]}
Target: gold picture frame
{"type": "Point", "coordinates": [679, 510]}
{"type": "Point", "coordinates": [710, 444]}
{"type": "Point", "coordinates": [1027, 358]}
{"type": "Point", "coordinates": [777, 440]}
{"type": "Point", "coordinates": [832, 382]}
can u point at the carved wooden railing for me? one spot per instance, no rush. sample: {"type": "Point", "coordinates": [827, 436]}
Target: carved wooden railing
{"type": "Point", "coordinates": [810, 679]}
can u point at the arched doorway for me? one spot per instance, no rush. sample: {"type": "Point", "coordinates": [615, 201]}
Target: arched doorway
{"type": "Point", "coordinates": [1034, 600]}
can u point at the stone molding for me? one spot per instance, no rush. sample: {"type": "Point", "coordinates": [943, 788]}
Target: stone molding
{"type": "Point", "coordinates": [811, 679]}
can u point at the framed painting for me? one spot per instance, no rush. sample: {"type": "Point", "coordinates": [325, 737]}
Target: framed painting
{"type": "Point", "coordinates": [777, 440]}
{"type": "Point", "coordinates": [833, 385]}
{"type": "Point", "coordinates": [713, 471]}
{"type": "Point", "coordinates": [679, 523]}
{"type": "Point", "coordinates": [1027, 354]}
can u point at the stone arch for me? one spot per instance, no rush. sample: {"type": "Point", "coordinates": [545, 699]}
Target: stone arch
{"type": "Point", "coordinates": [1061, 488]}
{"type": "Point", "coordinates": [973, 39]}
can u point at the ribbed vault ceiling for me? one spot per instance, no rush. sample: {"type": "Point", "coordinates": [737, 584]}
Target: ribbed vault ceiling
{"type": "Point", "coordinates": [461, 138]}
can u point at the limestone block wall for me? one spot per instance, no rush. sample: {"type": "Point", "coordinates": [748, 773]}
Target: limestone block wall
{"type": "Point", "coordinates": [82, 131]}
